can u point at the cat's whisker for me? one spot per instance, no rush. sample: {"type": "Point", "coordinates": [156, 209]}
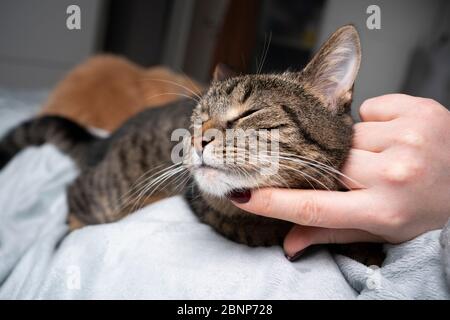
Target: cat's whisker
{"type": "Point", "coordinates": [136, 186]}
{"type": "Point", "coordinates": [319, 167]}
{"type": "Point", "coordinates": [258, 65]}
{"type": "Point", "coordinates": [142, 178]}
{"type": "Point", "coordinates": [303, 173]}
{"type": "Point", "coordinates": [132, 192]}
{"type": "Point", "coordinates": [245, 174]}
{"type": "Point", "coordinates": [282, 181]}
{"type": "Point", "coordinates": [172, 93]}
{"type": "Point", "coordinates": [134, 201]}
{"type": "Point", "coordinates": [186, 77]}
{"type": "Point", "coordinates": [160, 178]}
{"type": "Point", "coordinates": [145, 189]}
{"type": "Point", "coordinates": [309, 159]}
{"type": "Point", "coordinates": [329, 168]}
{"type": "Point", "coordinates": [198, 195]}
{"type": "Point", "coordinates": [261, 157]}
{"type": "Point", "coordinates": [175, 182]}
{"type": "Point", "coordinates": [256, 183]}
{"type": "Point", "coordinates": [144, 181]}
{"type": "Point", "coordinates": [176, 84]}
{"type": "Point", "coordinates": [154, 187]}
{"type": "Point", "coordinates": [182, 184]}
{"type": "Point", "coordinates": [265, 51]}
{"type": "Point", "coordinates": [313, 167]}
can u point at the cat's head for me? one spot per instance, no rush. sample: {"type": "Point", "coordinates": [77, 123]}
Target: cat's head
{"type": "Point", "coordinates": [303, 117]}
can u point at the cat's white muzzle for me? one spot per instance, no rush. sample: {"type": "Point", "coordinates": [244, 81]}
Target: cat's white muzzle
{"type": "Point", "coordinates": [213, 178]}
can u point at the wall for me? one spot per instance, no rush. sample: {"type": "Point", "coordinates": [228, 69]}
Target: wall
{"type": "Point", "coordinates": [36, 48]}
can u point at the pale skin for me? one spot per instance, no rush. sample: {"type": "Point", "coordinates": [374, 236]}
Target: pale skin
{"type": "Point", "coordinates": [399, 167]}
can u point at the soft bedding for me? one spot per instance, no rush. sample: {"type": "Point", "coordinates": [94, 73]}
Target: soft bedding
{"type": "Point", "coordinates": [162, 251]}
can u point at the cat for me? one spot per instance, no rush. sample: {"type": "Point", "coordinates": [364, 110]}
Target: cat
{"type": "Point", "coordinates": [310, 110]}
{"type": "Point", "coordinates": [106, 90]}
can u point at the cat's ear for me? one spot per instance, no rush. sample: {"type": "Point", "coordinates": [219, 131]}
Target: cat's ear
{"type": "Point", "coordinates": [223, 72]}
{"type": "Point", "coordinates": [332, 71]}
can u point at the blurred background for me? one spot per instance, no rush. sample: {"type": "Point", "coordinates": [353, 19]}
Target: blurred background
{"type": "Point", "coordinates": [410, 53]}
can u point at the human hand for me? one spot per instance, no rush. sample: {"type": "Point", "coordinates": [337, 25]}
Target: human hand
{"type": "Point", "coordinates": [401, 159]}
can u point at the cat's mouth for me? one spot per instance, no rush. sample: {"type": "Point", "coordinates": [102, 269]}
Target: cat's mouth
{"type": "Point", "coordinates": [210, 167]}
{"type": "Point", "coordinates": [219, 181]}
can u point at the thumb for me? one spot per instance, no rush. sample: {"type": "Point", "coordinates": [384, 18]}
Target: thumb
{"type": "Point", "coordinates": [301, 237]}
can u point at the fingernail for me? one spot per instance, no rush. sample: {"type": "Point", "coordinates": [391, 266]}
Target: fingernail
{"type": "Point", "coordinates": [295, 256]}
{"type": "Point", "coordinates": [240, 196]}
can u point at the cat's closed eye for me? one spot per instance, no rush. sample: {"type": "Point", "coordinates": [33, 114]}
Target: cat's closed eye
{"type": "Point", "coordinates": [242, 116]}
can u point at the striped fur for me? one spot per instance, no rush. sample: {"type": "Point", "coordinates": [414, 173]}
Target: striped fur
{"type": "Point", "coordinates": [68, 136]}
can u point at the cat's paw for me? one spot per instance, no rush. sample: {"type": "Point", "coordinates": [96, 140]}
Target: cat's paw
{"type": "Point", "coordinates": [74, 223]}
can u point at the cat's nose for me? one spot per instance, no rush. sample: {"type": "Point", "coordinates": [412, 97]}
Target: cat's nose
{"type": "Point", "coordinates": [200, 144]}
{"type": "Point", "coordinates": [206, 141]}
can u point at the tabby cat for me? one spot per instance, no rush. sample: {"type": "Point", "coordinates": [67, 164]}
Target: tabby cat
{"type": "Point", "coordinates": [310, 109]}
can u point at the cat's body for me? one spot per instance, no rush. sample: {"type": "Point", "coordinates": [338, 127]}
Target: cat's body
{"type": "Point", "coordinates": [309, 110]}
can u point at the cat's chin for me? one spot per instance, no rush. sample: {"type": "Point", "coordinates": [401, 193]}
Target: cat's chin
{"type": "Point", "coordinates": [218, 183]}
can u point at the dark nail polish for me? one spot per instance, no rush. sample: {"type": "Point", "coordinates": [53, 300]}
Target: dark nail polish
{"type": "Point", "coordinates": [295, 256]}
{"type": "Point", "coordinates": [240, 196]}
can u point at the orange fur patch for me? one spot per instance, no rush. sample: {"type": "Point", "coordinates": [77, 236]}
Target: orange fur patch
{"type": "Point", "coordinates": [106, 90]}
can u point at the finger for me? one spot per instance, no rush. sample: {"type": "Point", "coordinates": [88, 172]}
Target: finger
{"type": "Point", "coordinates": [319, 208]}
{"type": "Point", "coordinates": [372, 136]}
{"type": "Point", "coordinates": [359, 169]}
{"type": "Point", "coordinates": [387, 107]}
{"type": "Point", "coordinates": [301, 237]}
